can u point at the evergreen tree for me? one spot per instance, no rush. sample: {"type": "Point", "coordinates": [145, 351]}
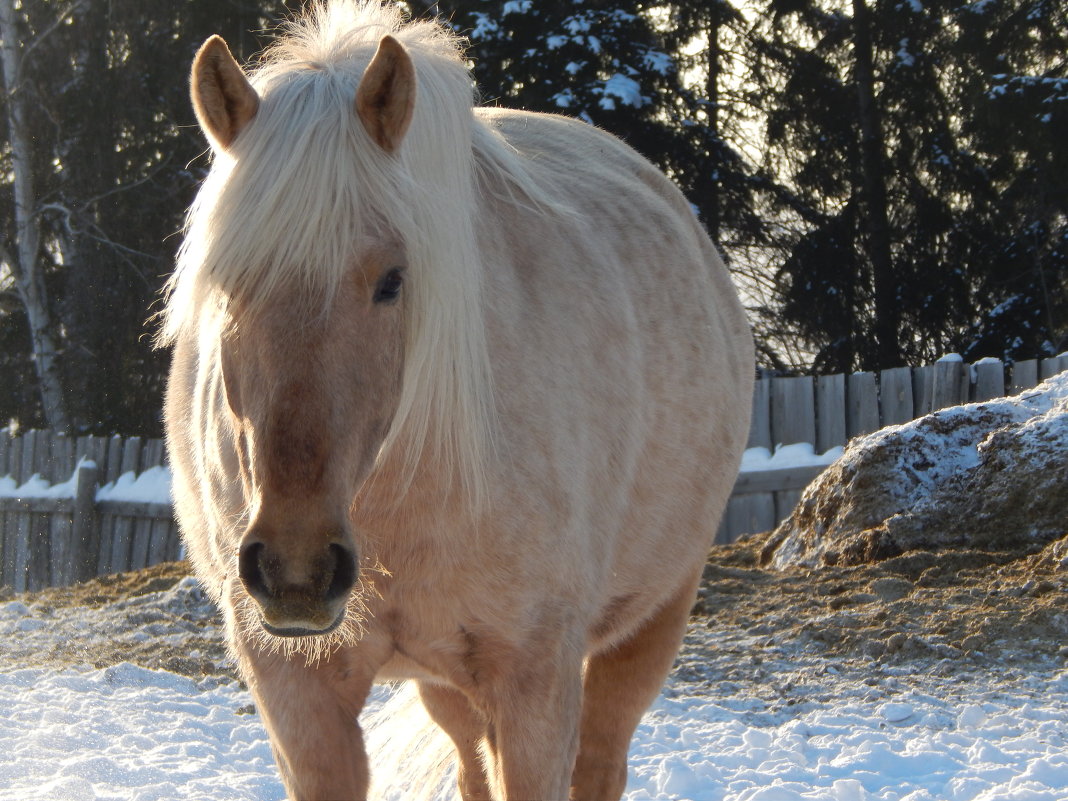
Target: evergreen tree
{"type": "Point", "coordinates": [711, 44]}
{"type": "Point", "coordinates": [615, 66]}
{"type": "Point", "coordinates": [893, 105]}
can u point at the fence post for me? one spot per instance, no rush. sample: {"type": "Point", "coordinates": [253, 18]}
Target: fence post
{"type": "Point", "coordinates": [85, 533]}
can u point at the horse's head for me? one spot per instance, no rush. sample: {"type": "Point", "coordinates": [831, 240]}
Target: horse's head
{"type": "Point", "coordinates": [312, 392]}
{"type": "Point", "coordinates": [312, 402]}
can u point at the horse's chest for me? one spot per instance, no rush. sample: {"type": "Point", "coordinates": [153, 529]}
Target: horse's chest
{"type": "Point", "coordinates": [427, 640]}
{"type": "Point", "coordinates": [437, 643]}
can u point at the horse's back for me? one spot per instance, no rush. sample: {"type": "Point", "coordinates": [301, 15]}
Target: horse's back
{"type": "Point", "coordinates": [622, 198]}
{"type": "Point", "coordinates": [623, 360]}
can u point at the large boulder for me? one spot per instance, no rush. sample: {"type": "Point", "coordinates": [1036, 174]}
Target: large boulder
{"type": "Point", "coordinates": [990, 475]}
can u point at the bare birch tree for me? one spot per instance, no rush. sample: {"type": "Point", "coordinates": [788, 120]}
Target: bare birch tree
{"type": "Point", "coordinates": [22, 257]}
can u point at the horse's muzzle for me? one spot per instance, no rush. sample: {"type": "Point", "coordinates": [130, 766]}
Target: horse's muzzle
{"type": "Point", "coordinates": [294, 603]}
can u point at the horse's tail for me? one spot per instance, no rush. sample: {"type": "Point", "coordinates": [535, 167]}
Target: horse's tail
{"type": "Point", "coordinates": [411, 758]}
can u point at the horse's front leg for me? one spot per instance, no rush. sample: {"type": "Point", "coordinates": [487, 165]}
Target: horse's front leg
{"type": "Point", "coordinates": [310, 713]}
{"type": "Point", "coordinates": [534, 711]}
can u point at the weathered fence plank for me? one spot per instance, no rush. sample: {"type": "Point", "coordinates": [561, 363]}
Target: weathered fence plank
{"type": "Point", "coordinates": [783, 479]}
{"type": "Point", "coordinates": [92, 449]}
{"type": "Point", "coordinates": [760, 427]}
{"type": "Point", "coordinates": [1024, 375]}
{"type": "Point", "coordinates": [950, 384]}
{"type": "Point", "coordinates": [862, 399]}
{"type": "Point", "coordinates": [151, 454]}
{"type": "Point", "coordinates": [114, 459]}
{"type": "Point", "coordinates": [28, 456]}
{"type": "Point", "coordinates": [37, 506]}
{"type": "Point", "coordinates": [830, 412]}
{"type": "Point", "coordinates": [57, 570]}
{"type": "Point", "coordinates": [989, 380]}
{"type": "Point", "coordinates": [1050, 367]}
{"type": "Point", "coordinates": [895, 395]}
{"type": "Point", "coordinates": [23, 527]}
{"type": "Point", "coordinates": [923, 390]}
{"type": "Point", "coordinates": [121, 535]}
{"type": "Point", "coordinates": [122, 527]}
{"type": "Point", "coordinates": [173, 542]}
{"type": "Point", "coordinates": [158, 545]}
{"type": "Point", "coordinates": [14, 460]}
{"type": "Point", "coordinates": [793, 412]}
{"type": "Point", "coordinates": [62, 458]}
{"type": "Point", "coordinates": [747, 514]}
{"type": "Point", "coordinates": [785, 502]}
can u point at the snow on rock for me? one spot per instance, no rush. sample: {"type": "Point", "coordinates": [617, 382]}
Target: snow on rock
{"type": "Point", "coordinates": [990, 475]}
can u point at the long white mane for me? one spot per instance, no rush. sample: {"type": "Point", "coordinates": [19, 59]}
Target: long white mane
{"type": "Point", "coordinates": [304, 184]}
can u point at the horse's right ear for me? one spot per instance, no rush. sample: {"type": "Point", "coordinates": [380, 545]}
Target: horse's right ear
{"type": "Point", "coordinates": [223, 99]}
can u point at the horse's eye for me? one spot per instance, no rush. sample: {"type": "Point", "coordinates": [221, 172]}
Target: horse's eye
{"type": "Point", "coordinates": [389, 286]}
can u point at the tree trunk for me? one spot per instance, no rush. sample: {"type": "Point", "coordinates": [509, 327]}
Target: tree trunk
{"type": "Point", "coordinates": [712, 195]}
{"type": "Point", "coordinates": [873, 186]}
{"type": "Point", "coordinates": [23, 259]}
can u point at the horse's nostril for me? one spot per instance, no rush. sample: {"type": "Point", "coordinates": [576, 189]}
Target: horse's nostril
{"type": "Point", "coordinates": [250, 570]}
{"type": "Point", "coordinates": [344, 572]}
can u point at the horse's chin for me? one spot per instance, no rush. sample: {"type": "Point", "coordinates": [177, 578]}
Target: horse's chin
{"type": "Point", "coordinates": [300, 631]}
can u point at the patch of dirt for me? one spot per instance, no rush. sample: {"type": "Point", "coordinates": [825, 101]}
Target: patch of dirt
{"type": "Point", "coordinates": [108, 589]}
{"type": "Point", "coordinates": [957, 609]}
{"type": "Point", "coordinates": [158, 618]}
{"type": "Point", "coordinates": [1009, 606]}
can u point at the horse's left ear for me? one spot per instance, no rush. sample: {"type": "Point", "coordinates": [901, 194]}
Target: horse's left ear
{"type": "Point", "coordinates": [385, 98]}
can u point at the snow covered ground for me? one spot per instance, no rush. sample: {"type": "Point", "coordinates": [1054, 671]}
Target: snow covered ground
{"type": "Point", "coordinates": [738, 721]}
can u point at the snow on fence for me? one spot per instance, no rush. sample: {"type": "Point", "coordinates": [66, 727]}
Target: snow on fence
{"type": "Point", "coordinates": [74, 508]}
{"type": "Point", "coordinates": [71, 509]}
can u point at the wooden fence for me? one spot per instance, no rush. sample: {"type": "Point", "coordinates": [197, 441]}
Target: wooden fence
{"type": "Point", "coordinates": [58, 540]}
{"type": "Point", "coordinates": [46, 540]}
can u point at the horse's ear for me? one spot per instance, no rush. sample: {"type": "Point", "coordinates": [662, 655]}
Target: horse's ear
{"type": "Point", "coordinates": [386, 96]}
{"type": "Point", "coordinates": [223, 98]}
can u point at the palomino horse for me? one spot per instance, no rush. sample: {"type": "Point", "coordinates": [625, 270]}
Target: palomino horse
{"type": "Point", "coordinates": [458, 397]}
